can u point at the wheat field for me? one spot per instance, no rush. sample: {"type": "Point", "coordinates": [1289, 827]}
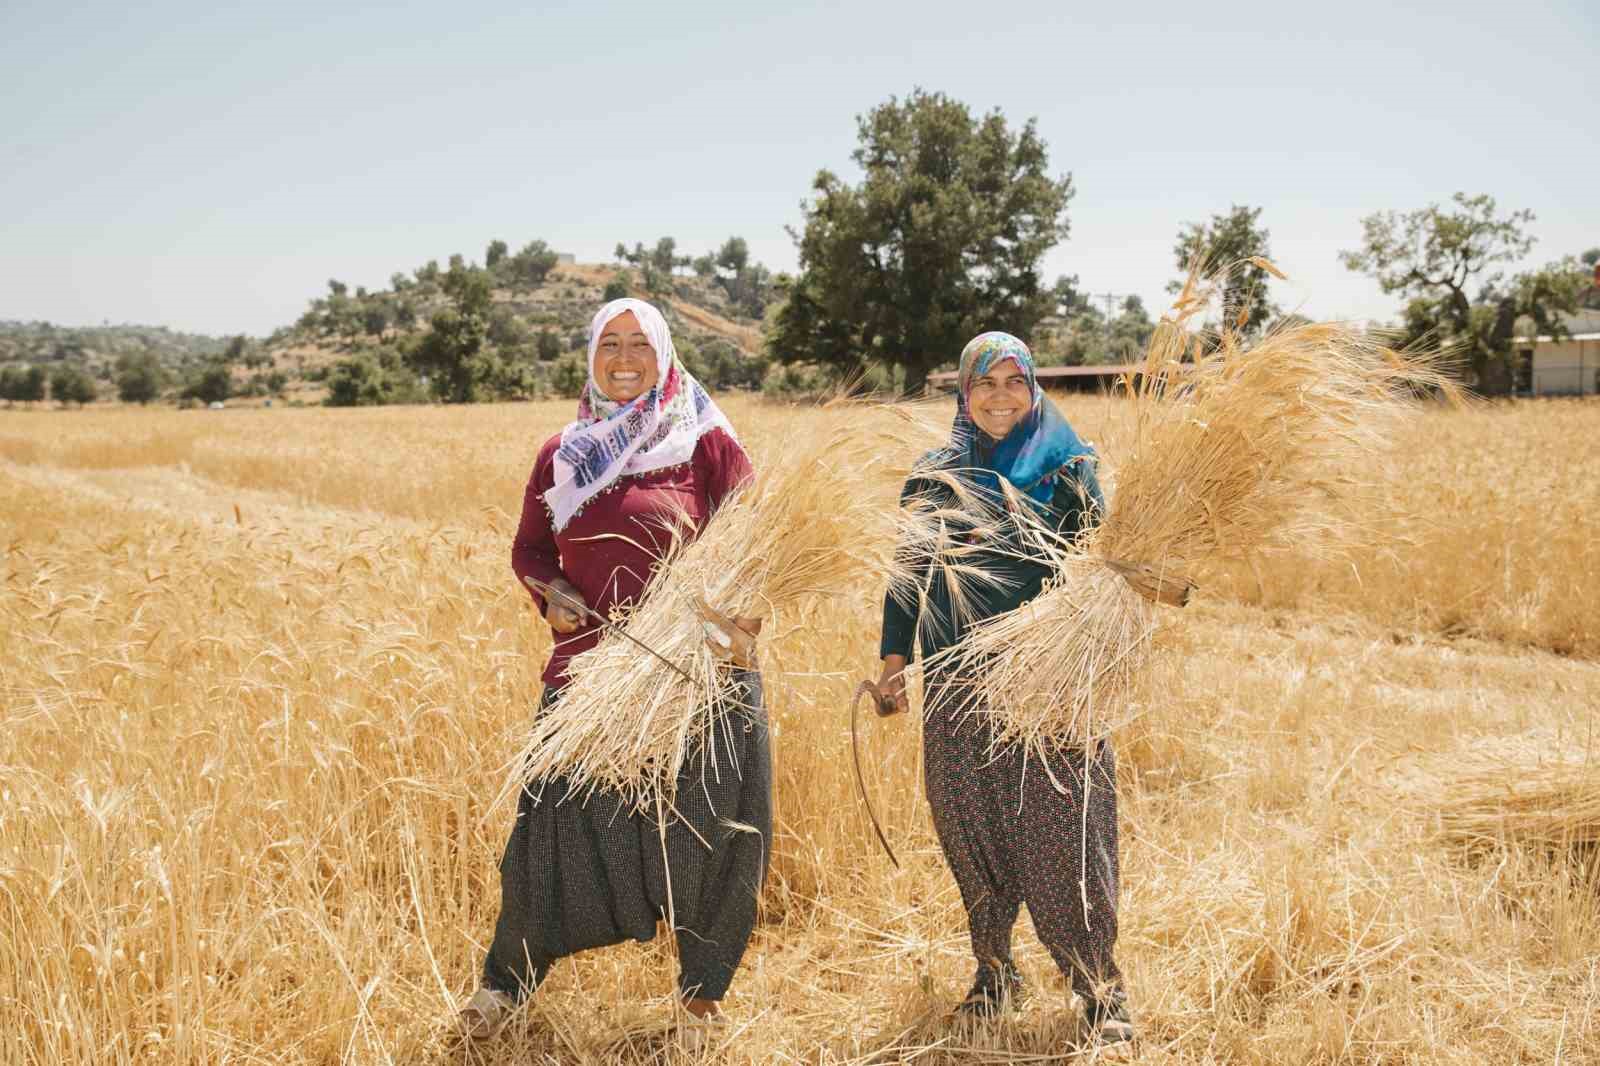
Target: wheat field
{"type": "Point", "coordinates": [261, 672]}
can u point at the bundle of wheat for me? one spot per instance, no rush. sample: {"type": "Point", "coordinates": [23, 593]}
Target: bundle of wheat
{"type": "Point", "coordinates": [1237, 449]}
{"type": "Point", "coordinates": [802, 531]}
{"type": "Point", "coordinates": [1549, 804]}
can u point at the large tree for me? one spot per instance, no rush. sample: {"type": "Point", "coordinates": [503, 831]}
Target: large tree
{"type": "Point", "coordinates": [139, 378]}
{"type": "Point", "coordinates": [212, 384]}
{"type": "Point", "coordinates": [942, 238]}
{"type": "Point", "coordinates": [451, 352]}
{"type": "Point", "coordinates": [1443, 260]}
{"type": "Point", "coordinates": [11, 383]}
{"type": "Point", "coordinates": [69, 384]}
{"type": "Point", "coordinates": [1228, 243]}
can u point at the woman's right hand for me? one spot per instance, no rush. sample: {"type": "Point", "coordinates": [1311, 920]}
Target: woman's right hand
{"type": "Point", "coordinates": [565, 609]}
{"type": "Point", "coordinates": [892, 686]}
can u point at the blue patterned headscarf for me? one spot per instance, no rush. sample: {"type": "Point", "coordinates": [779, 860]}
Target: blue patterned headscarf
{"type": "Point", "coordinates": [1037, 448]}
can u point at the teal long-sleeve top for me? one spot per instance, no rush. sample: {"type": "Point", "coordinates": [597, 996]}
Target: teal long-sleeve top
{"type": "Point", "coordinates": [1075, 504]}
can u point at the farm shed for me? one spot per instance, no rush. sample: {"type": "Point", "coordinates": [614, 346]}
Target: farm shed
{"type": "Point", "coordinates": [1566, 367]}
{"type": "Point", "coordinates": [1065, 378]}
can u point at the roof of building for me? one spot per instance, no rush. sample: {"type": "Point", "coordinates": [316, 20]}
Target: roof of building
{"type": "Point", "coordinates": [1545, 338]}
{"type": "Point", "coordinates": [1583, 325]}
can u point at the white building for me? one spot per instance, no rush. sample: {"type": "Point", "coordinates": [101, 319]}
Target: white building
{"type": "Point", "coordinates": [1569, 366]}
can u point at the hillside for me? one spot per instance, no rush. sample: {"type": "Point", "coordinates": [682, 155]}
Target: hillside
{"type": "Point", "coordinates": [96, 347]}
{"type": "Point", "coordinates": [533, 331]}
{"type": "Point", "coordinates": [535, 324]}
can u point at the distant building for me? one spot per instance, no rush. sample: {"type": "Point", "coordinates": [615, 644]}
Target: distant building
{"type": "Point", "coordinates": [565, 258]}
{"type": "Point", "coordinates": [1566, 367]}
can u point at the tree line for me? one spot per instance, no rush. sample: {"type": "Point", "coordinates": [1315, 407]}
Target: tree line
{"type": "Point", "coordinates": [943, 235]}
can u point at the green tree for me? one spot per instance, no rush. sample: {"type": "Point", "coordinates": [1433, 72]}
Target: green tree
{"type": "Point", "coordinates": [569, 374]}
{"type": "Point", "coordinates": [1437, 256]}
{"type": "Point", "coordinates": [734, 255]}
{"type": "Point", "coordinates": [942, 238]}
{"type": "Point", "coordinates": [451, 354]}
{"type": "Point", "coordinates": [617, 287]}
{"type": "Point", "coordinates": [213, 384]}
{"type": "Point", "coordinates": [139, 378]}
{"type": "Point", "coordinates": [656, 265]}
{"type": "Point", "coordinates": [533, 263]}
{"type": "Point", "coordinates": [337, 287]}
{"type": "Point", "coordinates": [549, 344]}
{"type": "Point", "coordinates": [357, 382]}
{"type": "Point", "coordinates": [1228, 243]}
{"type": "Point", "coordinates": [506, 328]}
{"type": "Point", "coordinates": [31, 385]}
{"type": "Point", "coordinates": [495, 252]}
{"type": "Point", "coordinates": [376, 315]}
{"type": "Point", "coordinates": [1084, 335]}
{"type": "Point", "coordinates": [11, 384]}
{"type": "Point", "coordinates": [1590, 257]}
{"type": "Point", "coordinates": [665, 258]}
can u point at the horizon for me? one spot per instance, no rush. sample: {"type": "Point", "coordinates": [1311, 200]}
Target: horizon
{"type": "Point", "coordinates": [208, 171]}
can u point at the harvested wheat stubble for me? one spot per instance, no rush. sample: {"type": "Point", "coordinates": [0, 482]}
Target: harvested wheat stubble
{"type": "Point", "coordinates": [801, 532]}
{"type": "Point", "coordinates": [1247, 449]}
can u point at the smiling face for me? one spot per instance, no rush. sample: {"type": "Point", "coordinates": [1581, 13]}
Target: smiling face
{"type": "Point", "coordinates": [624, 361]}
{"type": "Point", "coordinates": [1000, 399]}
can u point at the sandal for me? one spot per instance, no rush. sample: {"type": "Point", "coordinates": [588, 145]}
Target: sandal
{"type": "Point", "coordinates": [485, 1014]}
{"type": "Point", "coordinates": [1110, 1030]}
{"type": "Point", "coordinates": [992, 988]}
{"type": "Point", "coordinates": [696, 1034]}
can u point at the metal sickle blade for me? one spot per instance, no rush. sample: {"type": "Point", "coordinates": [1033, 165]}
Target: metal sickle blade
{"type": "Point", "coordinates": [855, 755]}
{"type": "Point", "coordinates": [551, 593]}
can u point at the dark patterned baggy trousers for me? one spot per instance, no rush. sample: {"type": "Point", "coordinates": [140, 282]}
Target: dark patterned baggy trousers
{"type": "Point", "coordinates": [584, 873]}
{"type": "Point", "coordinates": [1011, 838]}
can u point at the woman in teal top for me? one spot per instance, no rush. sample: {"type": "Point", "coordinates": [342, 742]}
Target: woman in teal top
{"type": "Point", "coordinates": [1009, 836]}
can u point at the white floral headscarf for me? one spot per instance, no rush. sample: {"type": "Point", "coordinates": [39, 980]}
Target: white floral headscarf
{"type": "Point", "coordinates": [656, 430]}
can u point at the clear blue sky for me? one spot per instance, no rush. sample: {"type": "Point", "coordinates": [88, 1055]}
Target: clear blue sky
{"type": "Point", "coordinates": [209, 166]}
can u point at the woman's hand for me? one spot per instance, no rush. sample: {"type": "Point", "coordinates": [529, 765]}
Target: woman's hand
{"type": "Point", "coordinates": [730, 638]}
{"type": "Point", "coordinates": [564, 608]}
{"type": "Point", "coordinates": [892, 686]}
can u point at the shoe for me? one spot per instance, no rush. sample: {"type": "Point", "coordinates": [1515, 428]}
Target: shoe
{"type": "Point", "coordinates": [485, 1014]}
{"type": "Point", "coordinates": [1110, 1030]}
{"type": "Point", "coordinates": [697, 1035]}
{"type": "Point", "coordinates": [992, 989]}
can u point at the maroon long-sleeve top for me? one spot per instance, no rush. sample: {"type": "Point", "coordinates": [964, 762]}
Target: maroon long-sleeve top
{"type": "Point", "coordinates": [609, 548]}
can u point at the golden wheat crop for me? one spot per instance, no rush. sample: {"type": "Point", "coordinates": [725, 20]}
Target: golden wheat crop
{"type": "Point", "coordinates": [261, 673]}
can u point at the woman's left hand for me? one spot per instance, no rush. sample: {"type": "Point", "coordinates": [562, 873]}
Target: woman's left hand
{"type": "Point", "coordinates": [731, 639]}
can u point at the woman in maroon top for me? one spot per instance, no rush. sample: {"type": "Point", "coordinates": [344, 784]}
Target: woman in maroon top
{"type": "Point", "coordinates": [648, 451]}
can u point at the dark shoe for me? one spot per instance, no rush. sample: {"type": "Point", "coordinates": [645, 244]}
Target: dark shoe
{"type": "Point", "coordinates": [1110, 1029]}
{"type": "Point", "coordinates": [992, 989]}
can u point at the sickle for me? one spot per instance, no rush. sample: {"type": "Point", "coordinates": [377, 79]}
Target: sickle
{"type": "Point", "coordinates": [551, 592]}
{"type": "Point", "coordinates": [855, 755]}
